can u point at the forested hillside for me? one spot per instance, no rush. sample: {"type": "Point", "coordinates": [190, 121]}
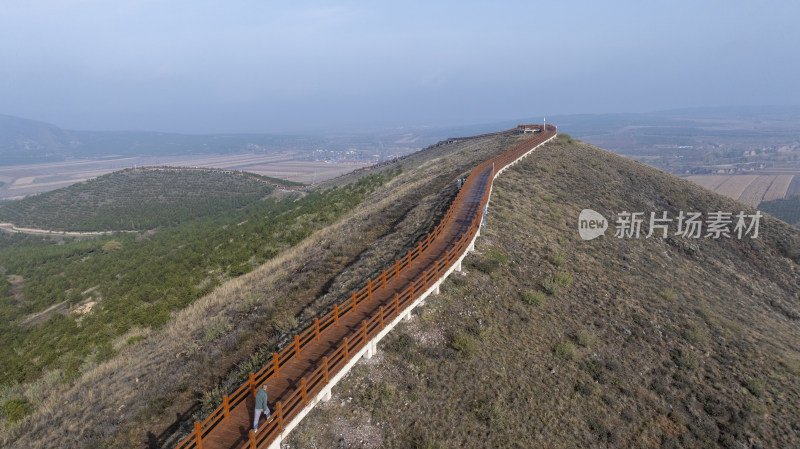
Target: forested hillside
{"type": "Point", "coordinates": [136, 199]}
{"type": "Point", "coordinates": [133, 281]}
{"type": "Point", "coordinates": [787, 209]}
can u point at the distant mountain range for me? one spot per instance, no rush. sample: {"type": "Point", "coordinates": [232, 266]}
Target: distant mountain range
{"type": "Point", "coordinates": [25, 141]}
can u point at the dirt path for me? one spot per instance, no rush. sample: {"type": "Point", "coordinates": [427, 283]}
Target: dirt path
{"type": "Point", "coordinates": [10, 227]}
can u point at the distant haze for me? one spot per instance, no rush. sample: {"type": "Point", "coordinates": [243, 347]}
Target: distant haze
{"type": "Point", "coordinates": [258, 66]}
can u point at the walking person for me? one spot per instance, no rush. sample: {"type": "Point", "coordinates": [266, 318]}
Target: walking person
{"type": "Point", "coordinates": [261, 406]}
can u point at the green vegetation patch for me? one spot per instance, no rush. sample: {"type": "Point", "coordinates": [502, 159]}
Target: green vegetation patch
{"type": "Point", "coordinates": [464, 343]}
{"type": "Point", "coordinates": [564, 139]}
{"type": "Point", "coordinates": [787, 209]}
{"type": "Point", "coordinates": [557, 259]}
{"type": "Point", "coordinates": [553, 284]}
{"type": "Point", "coordinates": [534, 298]}
{"type": "Point", "coordinates": [493, 259]}
{"type": "Point", "coordinates": [585, 338]}
{"type": "Point", "coordinates": [17, 409]}
{"type": "Point", "coordinates": [669, 294]}
{"type": "Point", "coordinates": [130, 280]}
{"type": "Point", "coordinates": [564, 350]}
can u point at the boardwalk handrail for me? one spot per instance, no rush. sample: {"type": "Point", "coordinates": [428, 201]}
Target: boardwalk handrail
{"type": "Point", "coordinates": [315, 382]}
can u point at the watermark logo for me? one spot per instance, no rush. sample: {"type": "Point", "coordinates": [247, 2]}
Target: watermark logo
{"type": "Point", "coordinates": [591, 224]}
{"type": "Point", "coordinates": [691, 225]}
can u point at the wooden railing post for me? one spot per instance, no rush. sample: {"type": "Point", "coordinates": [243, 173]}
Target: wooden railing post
{"type": "Point", "coordinates": [226, 408]}
{"type": "Point", "coordinates": [411, 289]}
{"type": "Point", "coordinates": [397, 304]}
{"type": "Point", "coordinates": [355, 303]}
{"type": "Point", "coordinates": [419, 246]}
{"type": "Point", "coordinates": [369, 289]}
{"type": "Point", "coordinates": [346, 350]}
{"type": "Point", "coordinates": [336, 314]}
{"type": "Point", "coordinates": [364, 331]}
{"type": "Point", "coordinates": [316, 327]}
{"type": "Point", "coordinates": [383, 279]}
{"type": "Point", "coordinates": [198, 438]}
{"type": "Point", "coordinates": [397, 268]}
{"type": "Point", "coordinates": [325, 369]}
{"type": "Point", "coordinates": [297, 346]}
{"type": "Point", "coordinates": [279, 412]}
{"type": "Point", "coordinates": [275, 364]}
{"type": "Point", "coordinates": [381, 316]}
{"type": "Point", "coordinates": [252, 384]}
{"type": "Point", "coordinates": [303, 390]}
{"type": "Point", "coordinates": [251, 435]}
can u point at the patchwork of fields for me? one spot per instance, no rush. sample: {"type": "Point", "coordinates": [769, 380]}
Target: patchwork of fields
{"type": "Point", "coordinates": [751, 189]}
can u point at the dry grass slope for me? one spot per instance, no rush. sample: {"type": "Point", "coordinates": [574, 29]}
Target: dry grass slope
{"type": "Point", "coordinates": [646, 343]}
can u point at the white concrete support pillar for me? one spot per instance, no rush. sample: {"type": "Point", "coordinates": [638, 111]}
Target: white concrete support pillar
{"type": "Point", "coordinates": [436, 290]}
{"type": "Point", "coordinates": [407, 316]}
{"type": "Point", "coordinates": [458, 266]}
{"type": "Point", "coordinates": [471, 246]}
{"type": "Point", "coordinates": [326, 395]}
{"type": "Point", "coordinates": [370, 350]}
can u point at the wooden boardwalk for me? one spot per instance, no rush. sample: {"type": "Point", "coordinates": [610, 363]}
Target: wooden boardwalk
{"type": "Point", "coordinates": [235, 434]}
{"type": "Point", "coordinates": [319, 348]}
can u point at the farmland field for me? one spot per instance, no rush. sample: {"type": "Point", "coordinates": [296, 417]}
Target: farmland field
{"type": "Point", "coordinates": [749, 189]}
{"type": "Point", "coordinates": [779, 188]}
{"type": "Point", "coordinates": [735, 186]}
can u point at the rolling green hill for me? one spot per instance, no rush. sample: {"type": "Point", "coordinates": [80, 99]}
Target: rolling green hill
{"type": "Point", "coordinates": [136, 199]}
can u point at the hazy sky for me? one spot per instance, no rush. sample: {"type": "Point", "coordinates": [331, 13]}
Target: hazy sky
{"type": "Point", "coordinates": [237, 66]}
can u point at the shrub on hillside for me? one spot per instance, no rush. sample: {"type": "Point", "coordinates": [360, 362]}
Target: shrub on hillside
{"type": "Point", "coordinates": [17, 409]}
{"type": "Point", "coordinates": [564, 350]}
{"type": "Point", "coordinates": [564, 139]}
{"type": "Point", "coordinates": [464, 343]}
{"type": "Point", "coordinates": [585, 338]}
{"type": "Point", "coordinates": [491, 260]}
{"type": "Point", "coordinates": [563, 279]}
{"type": "Point", "coordinates": [533, 298]}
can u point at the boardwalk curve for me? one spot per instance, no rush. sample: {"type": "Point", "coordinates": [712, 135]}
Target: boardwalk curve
{"type": "Point", "coordinates": [304, 372]}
